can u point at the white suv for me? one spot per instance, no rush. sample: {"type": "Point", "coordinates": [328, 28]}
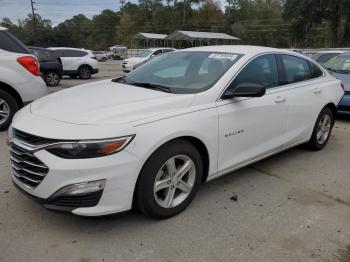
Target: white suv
{"type": "Point", "coordinates": [77, 62]}
{"type": "Point", "coordinates": [20, 81]}
{"type": "Point", "coordinates": [132, 63]}
{"type": "Point", "coordinates": [150, 138]}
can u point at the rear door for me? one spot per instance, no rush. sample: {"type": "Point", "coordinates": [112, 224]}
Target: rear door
{"type": "Point", "coordinates": [305, 97]}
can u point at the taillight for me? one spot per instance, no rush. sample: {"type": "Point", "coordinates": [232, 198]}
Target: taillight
{"type": "Point", "coordinates": [342, 86]}
{"type": "Point", "coordinates": [29, 63]}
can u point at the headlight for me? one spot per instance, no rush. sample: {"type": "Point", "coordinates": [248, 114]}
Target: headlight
{"type": "Point", "coordinates": [89, 149]}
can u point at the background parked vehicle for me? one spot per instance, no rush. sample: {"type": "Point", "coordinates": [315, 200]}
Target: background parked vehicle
{"type": "Point", "coordinates": [323, 57]}
{"type": "Point", "coordinates": [118, 52]}
{"type": "Point", "coordinates": [339, 67]}
{"type": "Point", "coordinates": [20, 81]}
{"type": "Point", "coordinates": [100, 56]}
{"type": "Point", "coordinates": [50, 65]}
{"type": "Point", "coordinates": [77, 62]}
{"type": "Point", "coordinates": [131, 63]}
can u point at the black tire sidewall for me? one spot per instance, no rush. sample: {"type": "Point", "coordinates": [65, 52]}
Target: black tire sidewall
{"type": "Point", "coordinates": [12, 106]}
{"type": "Point", "coordinates": [86, 68]}
{"type": "Point", "coordinates": [313, 143]}
{"type": "Point", "coordinates": [144, 190]}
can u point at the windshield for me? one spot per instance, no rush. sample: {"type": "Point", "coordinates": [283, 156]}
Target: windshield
{"type": "Point", "coordinates": [144, 53]}
{"type": "Point", "coordinates": [339, 64]}
{"type": "Point", "coordinates": [183, 72]}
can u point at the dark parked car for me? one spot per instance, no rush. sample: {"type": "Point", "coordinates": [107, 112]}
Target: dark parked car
{"type": "Point", "coordinates": [50, 65]}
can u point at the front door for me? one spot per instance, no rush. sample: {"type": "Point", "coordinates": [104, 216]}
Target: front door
{"type": "Point", "coordinates": [252, 127]}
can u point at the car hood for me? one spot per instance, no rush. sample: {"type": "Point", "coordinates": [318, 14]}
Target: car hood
{"type": "Point", "coordinates": [345, 78]}
{"type": "Point", "coordinates": [135, 60]}
{"type": "Point", "coordinates": [107, 102]}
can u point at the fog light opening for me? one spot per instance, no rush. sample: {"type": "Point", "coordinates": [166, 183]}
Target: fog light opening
{"type": "Point", "coordinates": [81, 188]}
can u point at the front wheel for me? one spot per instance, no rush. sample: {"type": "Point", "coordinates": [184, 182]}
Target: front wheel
{"type": "Point", "coordinates": [8, 107]}
{"type": "Point", "coordinates": [169, 180]}
{"type": "Point", "coordinates": [322, 130]}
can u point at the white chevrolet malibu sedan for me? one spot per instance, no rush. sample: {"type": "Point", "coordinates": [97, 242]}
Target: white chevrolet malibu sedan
{"type": "Point", "coordinates": [150, 138]}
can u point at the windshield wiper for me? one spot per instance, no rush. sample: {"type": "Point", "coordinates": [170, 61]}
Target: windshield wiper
{"type": "Point", "coordinates": [153, 86]}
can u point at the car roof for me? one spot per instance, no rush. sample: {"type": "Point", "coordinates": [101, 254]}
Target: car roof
{"type": "Point", "coordinates": [158, 48]}
{"type": "Point", "coordinates": [239, 49]}
{"type": "Point", "coordinates": [70, 48]}
{"type": "Point", "coordinates": [330, 52]}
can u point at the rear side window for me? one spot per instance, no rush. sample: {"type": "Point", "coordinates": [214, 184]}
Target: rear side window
{"type": "Point", "coordinates": [73, 53]}
{"type": "Point", "coordinates": [261, 71]}
{"type": "Point", "coordinates": [297, 69]}
{"type": "Point", "coordinates": [11, 44]}
{"type": "Point", "coordinates": [315, 70]}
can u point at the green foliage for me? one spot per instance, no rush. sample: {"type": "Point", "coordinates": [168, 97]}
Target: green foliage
{"type": "Point", "coordinates": [278, 23]}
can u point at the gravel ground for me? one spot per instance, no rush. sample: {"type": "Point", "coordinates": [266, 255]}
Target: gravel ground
{"type": "Point", "coordinates": [294, 206]}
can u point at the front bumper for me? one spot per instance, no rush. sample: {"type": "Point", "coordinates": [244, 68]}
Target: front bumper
{"type": "Point", "coordinates": [119, 170]}
{"type": "Point", "coordinates": [344, 105]}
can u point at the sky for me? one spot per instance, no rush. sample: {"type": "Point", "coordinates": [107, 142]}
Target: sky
{"type": "Point", "coordinates": [56, 10]}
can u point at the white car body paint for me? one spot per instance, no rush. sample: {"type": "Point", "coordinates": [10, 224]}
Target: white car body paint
{"type": "Point", "coordinates": [259, 127]}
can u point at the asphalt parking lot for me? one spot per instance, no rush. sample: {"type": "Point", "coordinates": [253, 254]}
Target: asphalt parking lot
{"type": "Point", "coordinates": [294, 206]}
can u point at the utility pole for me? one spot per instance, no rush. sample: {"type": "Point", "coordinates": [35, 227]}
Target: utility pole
{"type": "Point", "coordinates": [33, 14]}
{"type": "Point", "coordinates": [184, 14]}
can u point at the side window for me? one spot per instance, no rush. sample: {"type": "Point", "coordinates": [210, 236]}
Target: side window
{"type": "Point", "coordinates": [315, 70]}
{"type": "Point", "coordinates": [325, 58]}
{"type": "Point", "coordinates": [261, 71]}
{"type": "Point", "coordinates": [297, 69]}
{"type": "Point", "coordinates": [157, 52]}
{"type": "Point", "coordinates": [74, 53]}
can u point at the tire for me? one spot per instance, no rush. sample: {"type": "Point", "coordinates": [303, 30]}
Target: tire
{"type": "Point", "coordinates": [322, 130]}
{"type": "Point", "coordinates": [154, 202]}
{"type": "Point", "coordinates": [85, 72]}
{"type": "Point", "coordinates": [8, 107]}
{"type": "Point", "coordinates": [52, 78]}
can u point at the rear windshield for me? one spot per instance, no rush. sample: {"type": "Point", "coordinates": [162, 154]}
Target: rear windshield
{"type": "Point", "coordinates": [11, 44]}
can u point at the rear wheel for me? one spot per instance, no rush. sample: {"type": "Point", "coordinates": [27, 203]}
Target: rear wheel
{"type": "Point", "coordinates": [52, 78]}
{"type": "Point", "coordinates": [85, 72]}
{"type": "Point", "coordinates": [169, 180]}
{"type": "Point", "coordinates": [8, 107]}
{"type": "Point", "coordinates": [322, 130]}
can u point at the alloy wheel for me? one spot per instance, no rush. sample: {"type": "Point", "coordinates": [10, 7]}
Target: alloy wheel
{"type": "Point", "coordinates": [85, 72]}
{"type": "Point", "coordinates": [323, 129]}
{"type": "Point", "coordinates": [4, 111]}
{"type": "Point", "coordinates": [174, 181]}
{"type": "Point", "coordinates": [52, 79]}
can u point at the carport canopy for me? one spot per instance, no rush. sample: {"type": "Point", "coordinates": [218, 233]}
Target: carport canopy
{"type": "Point", "coordinates": [194, 35]}
{"type": "Point", "coordinates": [149, 36]}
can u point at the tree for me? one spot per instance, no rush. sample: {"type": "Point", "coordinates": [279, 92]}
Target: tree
{"type": "Point", "coordinates": [125, 29]}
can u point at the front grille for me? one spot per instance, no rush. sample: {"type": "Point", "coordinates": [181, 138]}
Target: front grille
{"type": "Point", "coordinates": [26, 167]}
{"type": "Point", "coordinates": [86, 200]}
{"type": "Point", "coordinates": [32, 139]}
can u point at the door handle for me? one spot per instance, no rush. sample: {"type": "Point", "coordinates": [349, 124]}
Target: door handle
{"type": "Point", "coordinates": [280, 99]}
{"type": "Point", "coordinates": [317, 90]}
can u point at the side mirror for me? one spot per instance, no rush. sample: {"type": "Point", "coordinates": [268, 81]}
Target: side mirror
{"type": "Point", "coordinates": [245, 90]}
